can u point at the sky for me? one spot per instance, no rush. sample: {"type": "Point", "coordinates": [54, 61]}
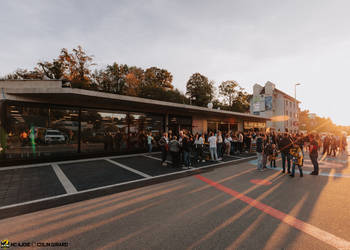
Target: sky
{"type": "Point", "coordinates": [282, 41]}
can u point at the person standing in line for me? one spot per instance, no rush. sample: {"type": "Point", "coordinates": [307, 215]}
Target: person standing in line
{"type": "Point", "coordinates": [149, 142]}
{"type": "Point", "coordinates": [240, 142]}
{"type": "Point", "coordinates": [186, 151]}
{"type": "Point", "coordinates": [266, 150]}
{"type": "Point", "coordinates": [273, 156]}
{"type": "Point", "coordinates": [334, 146]}
{"type": "Point", "coordinates": [164, 147]}
{"type": "Point", "coordinates": [297, 159]}
{"type": "Point", "coordinates": [259, 151]}
{"type": "Point", "coordinates": [228, 141]}
{"type": "Point", "coordinates": [174, 149]}
{"type": "Point", "coordinates": [313, 152]}
{"type": "Point", "coordinates": [212, 147]}
{"type": "Point", "coordinates": [285, 145]}
{"type": "Point", "coordinates": [219, 145]}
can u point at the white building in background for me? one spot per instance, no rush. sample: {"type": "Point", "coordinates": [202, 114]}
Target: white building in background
{"type": "Point", "coordinates": [269, 102]}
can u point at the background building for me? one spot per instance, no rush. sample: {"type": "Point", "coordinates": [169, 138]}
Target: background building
{"type": "Point", "coordinates": [269, 102]}
{"type": "Point", "coordinates": [40, 119]}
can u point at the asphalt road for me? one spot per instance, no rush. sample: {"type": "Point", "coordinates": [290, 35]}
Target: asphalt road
{"type": "Point", "coordinates": [233, 207]}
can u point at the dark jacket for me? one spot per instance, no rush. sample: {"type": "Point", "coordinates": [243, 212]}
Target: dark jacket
{"type": "Point", "coordinates": [285, 145]}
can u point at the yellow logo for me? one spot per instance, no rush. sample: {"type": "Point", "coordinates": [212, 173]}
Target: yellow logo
{"type": "Point", "coordinates": [5, 244]}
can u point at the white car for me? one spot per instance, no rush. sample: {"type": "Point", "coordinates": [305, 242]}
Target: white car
{"type": "Point", "coordinates": [54, 136]}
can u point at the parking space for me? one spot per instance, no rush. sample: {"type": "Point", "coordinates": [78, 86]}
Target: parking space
{"type": "Point", "coordinates": [27, 184]}
{"type": "Point", "coordinates": [31, 183]}
{"type": "Point", "coordinates": [95, 174]}
{"type": "Point", "coordinates": [150, 166]}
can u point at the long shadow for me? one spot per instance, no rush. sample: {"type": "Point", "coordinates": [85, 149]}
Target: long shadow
{"type": "Point", "coordinates": [296, 196]}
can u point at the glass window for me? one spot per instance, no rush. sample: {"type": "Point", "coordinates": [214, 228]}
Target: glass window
{"type": "Point", "coordinates": [140, 126]}
{"type": "Point", "coordinates": [103, 131]}
{"type": "Point", "coordinates": [39, 130]}
{"type": "Point", "coordinates": [211, 126]}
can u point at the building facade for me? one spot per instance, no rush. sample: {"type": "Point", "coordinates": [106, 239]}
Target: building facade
{"type": "Point", "coordinates": [282, 109]}
{"type": "Point", "coordinates": [43, 120]}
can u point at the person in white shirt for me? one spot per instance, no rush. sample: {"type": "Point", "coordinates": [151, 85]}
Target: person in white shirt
{"type": "Point", "coordinates": [212, 147]}
{"type": "Point", "coordinates": [228, 141]}
{"type": "Point", "coordinates": [219, 145]}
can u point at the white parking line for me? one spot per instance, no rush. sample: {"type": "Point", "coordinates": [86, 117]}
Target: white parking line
{"type": "Point", "coordinates": [68, 186]}
{"type": "Point", "coordinates": [127, 168]}
{"type": "Point", "coordinates": [45, 164]}
{"type": "Point", "coordinates": [155, 158]}
{"type": "Point", "coordinates": [118, 184]}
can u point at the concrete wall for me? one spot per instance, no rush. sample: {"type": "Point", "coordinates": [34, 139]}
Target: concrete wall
{"type": "Point", "coordinates": [20, 84]}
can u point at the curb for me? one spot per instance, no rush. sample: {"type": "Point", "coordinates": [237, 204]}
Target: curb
{"type": "Point", "coordinates": [51, 202]}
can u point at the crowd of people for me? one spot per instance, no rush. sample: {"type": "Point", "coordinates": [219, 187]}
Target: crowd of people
{"type": "Point", "coordinates": [187, 150]}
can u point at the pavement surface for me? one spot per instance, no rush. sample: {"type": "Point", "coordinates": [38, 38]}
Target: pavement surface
{"type": "Point", "coordinates": [233, 207]}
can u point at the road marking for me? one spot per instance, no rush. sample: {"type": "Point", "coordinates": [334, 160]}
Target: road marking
{"type": "Point", "coordinates": [316, 232]}
{"type": "Point", "coordinates": [155, 158]}
{"type": "Point", "coordinates": [112, 185]}
{"type": "Point", "coordinates": [321, 173]}
{"type": "Point", "coordinates": [127, 168]}
{"type": "Point", "coordinates": [45, 164]}
{"type": "Point", "coordinates": [68, 186]}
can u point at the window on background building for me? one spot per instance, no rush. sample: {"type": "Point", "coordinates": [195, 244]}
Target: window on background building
{"type": "Point", "coordinates": [39, 130]}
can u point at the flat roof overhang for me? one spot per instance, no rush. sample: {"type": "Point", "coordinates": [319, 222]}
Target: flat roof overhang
{"type": "Point", "coordinates": [101, 100]}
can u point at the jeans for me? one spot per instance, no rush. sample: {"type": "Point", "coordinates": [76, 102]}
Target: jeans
{"type": "Point", "coordinates": [186, 158]}
{"type": "Point", "coordinates": [175, 158]}
{"type": "Point", "coordinates": [293, 169]}
{"type": "Point", "coordinates": [219, 150]}
{"type": "Point", "coordinates": [284, 158]}
{"type": "Point", "coordinates": [259, 155]}
{"type": "Point", "coordinates": [213, 153]}
{"type": "Point", "coordinates": [264, 160]}
{"type": "Point", "coordinates": [149, 147]}
{"type": "Point", "coordinates": [273, 163]}
{"type": "Point", "coordinates": [314, 162]}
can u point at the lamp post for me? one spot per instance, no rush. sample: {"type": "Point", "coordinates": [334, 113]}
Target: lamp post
{"type": "Point", "coordinates": [295, 99]}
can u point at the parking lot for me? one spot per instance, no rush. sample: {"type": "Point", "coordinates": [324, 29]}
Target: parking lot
{"type": "Point", "coordinates": [41, 182]}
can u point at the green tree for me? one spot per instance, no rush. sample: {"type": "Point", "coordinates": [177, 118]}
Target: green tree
{"type": "Point", "coordinates": [200, 90]}
{"type": "Point", "coordinates": [229, 91]}
{"type": "Point", "coordinates": [235, 97]}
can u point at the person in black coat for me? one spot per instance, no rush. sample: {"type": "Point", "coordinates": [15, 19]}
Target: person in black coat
{"type": "Point", "coordinates": [285, 145]}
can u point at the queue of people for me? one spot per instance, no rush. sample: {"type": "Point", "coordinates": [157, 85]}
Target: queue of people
{"type": "Point", "coordinates": [292, 148]}
{"type": "Point", "coordinates": [189, 149]}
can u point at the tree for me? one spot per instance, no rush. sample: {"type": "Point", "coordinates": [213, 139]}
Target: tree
{"type": "Point", "coordinates": [24, 74]}
{"type": "Point", "coordinates": [235, 97]}
{"type": "Point", "coordinates": [54, 70]}
{"type": "Point", "coordinates": [158, 78]}
{"type": "Point", "coordinates": [77, 67]}
{"type": "Point", "coordinates": [200, 90]}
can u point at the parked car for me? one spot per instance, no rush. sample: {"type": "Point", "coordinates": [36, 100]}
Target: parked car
{"type": "Point", "coordinates": [54, 136]}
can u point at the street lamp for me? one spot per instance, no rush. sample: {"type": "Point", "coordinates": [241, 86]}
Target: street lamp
{"type": "Point", "coordinates": [295, 99]}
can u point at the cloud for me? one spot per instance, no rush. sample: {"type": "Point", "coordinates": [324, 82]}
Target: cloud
{"type": "Point", "coordinates": [248, 41]}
